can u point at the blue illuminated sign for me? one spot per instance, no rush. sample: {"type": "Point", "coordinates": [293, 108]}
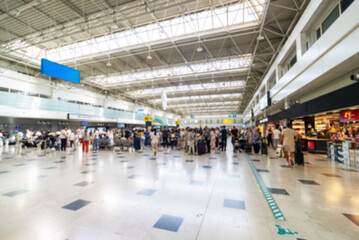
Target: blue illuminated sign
{"type": "Point", "coordinates": [192, 116]}
{"type": "Point", "coordinates": [120, 125]}
{"type": "Point", "coordinates": [234, 115]}
{"type": "Point", "coordinates": [57, 70]}
{"type": "Point", "coordinates": [84, 123]}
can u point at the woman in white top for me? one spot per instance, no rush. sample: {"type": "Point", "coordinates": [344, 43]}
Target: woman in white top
{"type": "Point", "coordinates": [155, 137]}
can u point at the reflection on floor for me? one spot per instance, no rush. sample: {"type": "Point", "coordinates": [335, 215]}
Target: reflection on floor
{"type": "Point", "coordinates": [105, 195]}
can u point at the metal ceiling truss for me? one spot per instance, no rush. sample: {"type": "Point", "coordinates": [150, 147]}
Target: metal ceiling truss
{"type": "Point", "coordinates": [108, 69]}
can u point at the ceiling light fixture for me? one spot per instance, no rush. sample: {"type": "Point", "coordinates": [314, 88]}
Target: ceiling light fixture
{"type": "Point", "coordinates": [260, 37]}
{"type": "Point", "coordinates": [108, 64]}
{"type": "Point", "coordinates": [149, 57]}
{"type": "Point", "coordinates": [18, 12]}
{"type": "Point", "coordinates": [199, 49]}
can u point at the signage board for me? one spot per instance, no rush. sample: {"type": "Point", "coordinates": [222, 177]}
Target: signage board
{"type": "Point", "coordinates": [349, 116]}
{"type": "Point", "coordinates": [84, 123]}
{"type": "Point", "coordinates": [178, 122]}
{"type": "Point", "coordinates": [57, 70]}
{"type": "Point", "coordinates": [121, 125]}
{"type": "Point", "coordinates": [264, 120]}
{"type": "Point", "coordinates": [234, 115]}
{"type": "Point", "coordinates": [71, 116]}
{"type": "Point", "coordinates": [148, 118]}
{"type": "Point", "coordinates": [192, 116]}
{"type": "Point", "coordinates": [227, 121]}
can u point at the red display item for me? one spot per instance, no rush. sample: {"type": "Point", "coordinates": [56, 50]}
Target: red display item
{"type": "Point", "coordinates": [311, 145]}
{"type": "Point", "coordinates": [349, 116]}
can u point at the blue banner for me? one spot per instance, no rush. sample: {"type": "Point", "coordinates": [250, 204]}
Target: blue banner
{"type": "Point", "coordinates": [57, 70]}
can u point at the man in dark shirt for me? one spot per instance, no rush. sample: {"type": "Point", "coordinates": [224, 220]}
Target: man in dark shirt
{"type": "Point", "coordinates": [234, 133]}
{"type": "Point", "coordinates": [224, 138]}
{"type": "Point", "coordinates": [165, 132]}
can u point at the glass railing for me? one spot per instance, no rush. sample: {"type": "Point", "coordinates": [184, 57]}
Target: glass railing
{"type": "Point", "coordinates": [37, 103]}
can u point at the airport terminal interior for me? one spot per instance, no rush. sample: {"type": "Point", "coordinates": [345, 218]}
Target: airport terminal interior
{"type": "Point", "coordinates": [179, 119]}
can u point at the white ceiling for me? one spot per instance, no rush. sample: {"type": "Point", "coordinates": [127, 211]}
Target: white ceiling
{"type": "Point", "coordinates": [208, 55]}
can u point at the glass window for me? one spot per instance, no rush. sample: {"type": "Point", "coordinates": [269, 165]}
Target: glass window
{"type": "Point", "coordinates": [4, 89]}
{"type": "Point", "coordinates": [330, 19]}
{"type": "Point", "coordinates": [292, 61]}
{"type": "Point", "coordinates": [318, 33]}
{"type": "Point", "coordinates": [344, 4]}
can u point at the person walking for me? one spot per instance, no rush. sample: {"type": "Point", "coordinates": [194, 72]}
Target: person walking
{"type": "Point", "coordinates": [288, 137]}
{"type": "Point", "coordinates": [63, 138]}
{"type": "Point", "coordinates": [276, 137]}
{"type": "Point", "coordinates": [96, 140]}
{"type": "Point", "coordinates": [154, 141]}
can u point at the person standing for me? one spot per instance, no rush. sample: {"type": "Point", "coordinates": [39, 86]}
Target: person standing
{"type": "Point", "coordinates": [234, 134]}
{"type": "Point", "coordinates": [96, 140]}
{"type": "Point", "coordinates": [288, 137]}
{"type": "Point", "coordinates": [270, 137]}
{"type": "Point", "coordinates": [85, 141]}
{"type": "Point", "coordinates": [276, 137]}
{"type": "Point", "coordinates": [19, 136]}
{"type": "Point", "coordinates": [185, 139]}
{"type": "Point", "coordinates": [256, 140]}
{"type": "Point", "coordinates": [154, 141]}
{"type": "Point", "coordinates": [165, 132]}
{"type": "Point", "coordinates": [207, 138]}
{"type": "Point", "coordinates": [213, 140]}
{"type": "Point", "coordinates": [63, 139]}
{"type": "Point", "coordinates": [191, 140]}
{"type": "Point", "coordinates": [72, 138]}
{"type": "Point", "coordinates": [173, 139]}
{"type": "Point", "coordinates": [147, 137]}
{"type": "Point", "coordinates": [224, 138]}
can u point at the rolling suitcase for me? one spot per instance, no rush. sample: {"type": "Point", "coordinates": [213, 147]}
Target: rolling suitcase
{"type": "Point", "coordinates": [298, 155]}
{"type": "Point", "coordinates": [299, 158]}
{"type": "Point", "coordinates": [264, 149]}
{"type": "Point", "coordinates": [201, 148]}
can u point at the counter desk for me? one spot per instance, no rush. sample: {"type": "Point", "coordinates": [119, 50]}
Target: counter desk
{"type": "Point", "coordinates": [315, 145]}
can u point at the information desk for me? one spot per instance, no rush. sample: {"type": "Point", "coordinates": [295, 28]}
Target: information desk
{"type": "Point", "coordinates": [316, 145]}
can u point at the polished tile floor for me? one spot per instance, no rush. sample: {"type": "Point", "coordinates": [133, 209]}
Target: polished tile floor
{"type": "Point", "coordinates": [105, 195]}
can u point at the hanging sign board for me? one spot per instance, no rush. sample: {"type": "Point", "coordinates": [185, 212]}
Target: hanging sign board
{"type": "Point", "coordinates": [148, 118]}
{"type": "Point", "coordinates": [227, 121]}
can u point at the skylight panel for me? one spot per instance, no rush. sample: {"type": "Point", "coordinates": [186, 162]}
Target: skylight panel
{"type": "Point", "coordinates": [195, 23]}
{"type": "Point", "coordinates": [201, 97]}
{"type": "Point", "coordinates": [226, 64]}
{"type": "Point", "coordinates": [203, 86]}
